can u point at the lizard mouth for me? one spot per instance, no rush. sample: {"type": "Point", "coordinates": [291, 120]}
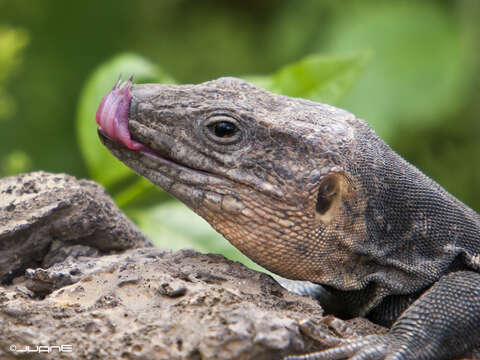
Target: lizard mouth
{"type": "Point", "coordinates": [113, 118]}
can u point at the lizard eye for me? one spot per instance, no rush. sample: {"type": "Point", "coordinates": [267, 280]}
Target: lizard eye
{"type": "Point", "coordinates": [223, 129]}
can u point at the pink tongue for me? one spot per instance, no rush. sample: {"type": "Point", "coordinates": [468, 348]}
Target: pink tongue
{"type": "Point", "coordinates": [112, 115]}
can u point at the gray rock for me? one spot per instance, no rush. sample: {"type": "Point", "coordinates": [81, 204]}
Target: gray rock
{"type": "Point", "coordinates": [77, 284]}
{"type": "Point", "coordinates": [42, 215]}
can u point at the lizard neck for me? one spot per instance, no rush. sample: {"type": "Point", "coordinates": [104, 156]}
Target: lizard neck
{"type": "Point", "coordinates": [416, 231]}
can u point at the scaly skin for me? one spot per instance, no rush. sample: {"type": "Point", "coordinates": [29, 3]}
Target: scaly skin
{"type": "Point", "coordinates": [311, 193]}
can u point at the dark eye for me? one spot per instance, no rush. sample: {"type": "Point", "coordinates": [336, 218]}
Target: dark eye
{"type": "Point", "coordinates": [223, 129]}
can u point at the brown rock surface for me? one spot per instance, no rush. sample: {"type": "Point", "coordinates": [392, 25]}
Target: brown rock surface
{"type": "Point", "coordinates": [153, 304]}
{"type": "Point", "coordinates": [42, 215]}
{"type": "Point", "coordinates": [73, 275]}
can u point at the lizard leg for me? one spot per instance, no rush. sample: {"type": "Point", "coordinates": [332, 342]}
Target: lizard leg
{"type": "Point", "coordinates": [444, 323]}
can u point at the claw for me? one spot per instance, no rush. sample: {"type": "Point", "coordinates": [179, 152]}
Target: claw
{"type": "Point", "coordinates": [320, 333]}
{"type": "Point", "coordinates": [358, 348]}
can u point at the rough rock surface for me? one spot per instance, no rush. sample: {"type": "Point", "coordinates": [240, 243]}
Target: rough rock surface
{"type": "Point", "coordinates": [73, 275]}
{"type": "Point", "coordinates": [154, 304]}
{"type": "Point", "coordinates": [43, 215]}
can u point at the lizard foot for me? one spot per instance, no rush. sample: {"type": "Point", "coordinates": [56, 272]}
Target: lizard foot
{"type": "Point", "coordinates": [368, 347]}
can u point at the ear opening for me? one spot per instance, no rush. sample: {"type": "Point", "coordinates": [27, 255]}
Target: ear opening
{"type": "Point", "coordinates": [327, 193]}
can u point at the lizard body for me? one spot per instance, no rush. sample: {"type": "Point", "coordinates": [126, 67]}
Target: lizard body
{"type": "Point", "coordinates": [310, 192]}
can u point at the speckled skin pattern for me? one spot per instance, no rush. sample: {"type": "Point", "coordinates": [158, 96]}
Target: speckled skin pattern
{"type": "Point", "coordinates": [310, 192]}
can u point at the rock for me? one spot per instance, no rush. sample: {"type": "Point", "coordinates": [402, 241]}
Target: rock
{"type": "Point", "coordinates": [155, 304]}
{"type": "Point", "coordinates": [42, 215]}
{"type": "Point", "coordinates": [80, 281]}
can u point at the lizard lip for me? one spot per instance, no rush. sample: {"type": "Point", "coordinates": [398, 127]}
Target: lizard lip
{"type": "Point", "coordinates": [112, 115]}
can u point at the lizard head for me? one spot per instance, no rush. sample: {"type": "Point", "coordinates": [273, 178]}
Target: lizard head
{"type": "Point", "coordinates": [266, 171]}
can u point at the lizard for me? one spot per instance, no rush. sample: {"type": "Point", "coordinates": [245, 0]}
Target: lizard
{"type": "Point", "coordinates": [311, 192]}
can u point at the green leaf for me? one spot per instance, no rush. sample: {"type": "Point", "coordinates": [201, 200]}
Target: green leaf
{"type": "Point", "coordinates": [165, 225]}
{"type": "Point", "coordinates": [102, 166]}
{"type": "Point", "coordinates": [420, 73]}
{"type": "Point", "coordinates": [317, 77]}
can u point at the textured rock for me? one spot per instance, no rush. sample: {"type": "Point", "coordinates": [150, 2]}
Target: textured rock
{"type": "Point", "coordinates": [75, 272]}
{"type": "Point", "coordinates": [42, 215]}
{"type": "Point", "coordinates": [153, 304]}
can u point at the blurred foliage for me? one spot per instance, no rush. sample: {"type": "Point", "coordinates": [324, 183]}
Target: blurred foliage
{"type": "Point", "coordinates": [419, 58]}
{"type": "Point", "coordinates": [410, 68]}
{"type": "Point", "coordinates": [12, 41]}
{"type": "Point", "coordinates": [319, 78]}
{"type": "Point", "coordinates": [15, 162]}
